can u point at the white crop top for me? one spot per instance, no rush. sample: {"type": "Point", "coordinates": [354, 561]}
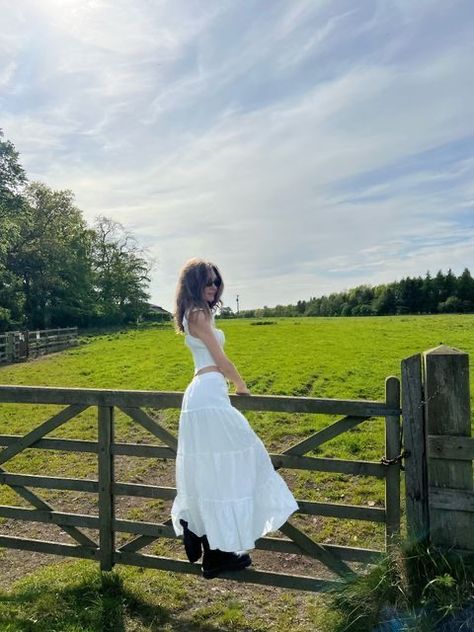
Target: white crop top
{"type": "Point", "coordinates": [201, 354]}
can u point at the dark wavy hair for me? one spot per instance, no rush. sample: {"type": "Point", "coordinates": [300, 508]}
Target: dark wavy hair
{"type": "Point", "coordinates": [191, 282]}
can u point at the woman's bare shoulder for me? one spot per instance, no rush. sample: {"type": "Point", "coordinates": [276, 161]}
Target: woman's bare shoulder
{"type": "Point", "coordinates": [194, 314]}
{"type": "Point", "coordinates": [199, 319]}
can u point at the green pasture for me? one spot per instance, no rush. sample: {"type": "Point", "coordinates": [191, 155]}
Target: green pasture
{"type": "Point", "coordinates": [320, 357]}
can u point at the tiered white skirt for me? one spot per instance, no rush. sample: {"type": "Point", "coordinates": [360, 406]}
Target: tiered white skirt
{"type": "Point", "coordinates": [226, 485]}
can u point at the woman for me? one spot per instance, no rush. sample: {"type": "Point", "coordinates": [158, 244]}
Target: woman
{"type": "Point", "coordinates": [228, 493]}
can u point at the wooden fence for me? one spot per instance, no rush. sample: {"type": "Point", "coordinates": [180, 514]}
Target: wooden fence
{"type": "Point", "coordinates": [16, 346]}
{"type": "Point", "coordinates": [437, 431]}
{"type": "Point", "coordinates": [105, 551]}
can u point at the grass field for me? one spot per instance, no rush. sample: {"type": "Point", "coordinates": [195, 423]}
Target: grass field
{"type": "Point", "coordinates": [321, 357]}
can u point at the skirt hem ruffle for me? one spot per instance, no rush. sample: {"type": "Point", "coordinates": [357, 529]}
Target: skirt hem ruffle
{"type": "Point", "coordinates": [227, 487]}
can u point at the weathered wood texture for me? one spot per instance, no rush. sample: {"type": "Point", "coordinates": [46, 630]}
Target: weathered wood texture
{"type": "Point", "coordinates": [144, 533]}
{"type": "Point", "coordinates": [317, 551]}
{"type": "Point", "coordinates": [51, 424]}
{"type": "Point", "coordinates": [416, 477]}
{"type": "Point", "coordinates": [324, 435]}
{"type": "Point", "coordinates": [106, 480]}
{"type": "Point", "coordinates": [392, 458]}
{"type": "Point", "coordinates": [447, 401]}
{"type": "Point", "coordinates": [295, 582]}
{"type": "Point", "coordinates": [319, 464]}
{"type": "Point", "coordinates": [16, 346]}
{"type": "Point", "coordinates": [457, 448]}
{"type": "Point", "coordinates": [172, 399]}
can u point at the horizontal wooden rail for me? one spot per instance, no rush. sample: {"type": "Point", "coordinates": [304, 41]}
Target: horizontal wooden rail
{"type": "Point", "coordinates": [52, 517]}
{"type": "Point", "coordinates": [53, 548]}
{"type": "Point", "coordinates": [296, 582]}
{"type": "Point", "coordinates": [49, 482]}
{"type": "Point", "coordinates": [334, 510]}
{"type": "Point", "coordinates": [50, 331]}
{"type": "Point", "coordinates": [73, 445]}
{"type": "Point", "coordinates": [158, 530]}
{"type": "Point", "coordinates": [347, 553]}
{"type": "Point", "coordinates": [318, 464]}
{"type": "Point", "coordinates": [451, 499]}
{"type": "Point", "coordinates": [173, 399]}
{"type": "Point", "coordinates": [449, 447]}
{"type": "Point", "coordinates": [337, 510]}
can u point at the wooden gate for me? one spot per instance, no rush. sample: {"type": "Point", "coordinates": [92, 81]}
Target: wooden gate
{"type": "Point", "coordinates": [133, 403]}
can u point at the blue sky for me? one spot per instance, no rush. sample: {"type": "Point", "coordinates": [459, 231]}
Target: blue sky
{"type": "Point", "coordinates": [305, 147]}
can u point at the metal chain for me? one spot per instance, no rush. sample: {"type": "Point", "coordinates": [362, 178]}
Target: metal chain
{"type": "Point", "coordinates": [397, 459]}
{"type": "Point", "coordinates": [406, 453]}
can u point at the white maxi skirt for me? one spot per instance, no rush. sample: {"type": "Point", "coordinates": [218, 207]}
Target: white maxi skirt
{"type": "Point", "coordinates": [227, 487]}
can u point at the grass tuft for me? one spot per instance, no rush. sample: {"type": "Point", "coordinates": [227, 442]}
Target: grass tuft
{"type": "Point", "coordinates": [418, 589]}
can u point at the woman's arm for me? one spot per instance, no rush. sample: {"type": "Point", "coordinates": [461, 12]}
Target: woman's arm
{"type": "Point", "coordinates": [202, 329]}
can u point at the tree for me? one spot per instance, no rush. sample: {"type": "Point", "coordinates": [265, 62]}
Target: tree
{"type": "Point", "coordinates": [385, 303]}
{"type": "Point", "coordinates": [466, 291]}
{"type": "Point", "coordinates": [227, 312]}
{"type": "Point", "coordinates": [52, 259]}
{"type": "Point", "coordinates": [451, 305]}
{"type": "Point", "coordinates": [12, 176]}
{"type": "Point", "coordinates": [54, 269]}
{"type": "Point", "coordinates": [408, 296]}
{"type": "Point", "coordinates": [428, 295]}
{"type": "Point", "coordinates": [12, 181]}
{"type": "Point", "coordinates": [121, 273]}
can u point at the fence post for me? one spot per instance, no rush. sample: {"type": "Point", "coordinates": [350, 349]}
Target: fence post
{"type": "Point", "coordinates": [106, 480]}
{"type": "Point", "coordinates": [392, 451]}
{"type": "Point", "coordinates": [447, 402]}
{"type": "Point", "coordinates": [10, 346]}
{"type": "Point", "coordinates": [414, 444]}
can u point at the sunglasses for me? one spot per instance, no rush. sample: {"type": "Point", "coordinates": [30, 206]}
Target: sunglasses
{"type": "Point", "coordinates": [217, 282]}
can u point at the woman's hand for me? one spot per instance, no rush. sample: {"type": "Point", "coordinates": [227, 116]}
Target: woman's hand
{"type": "Point", "coordinates": [241, 389]}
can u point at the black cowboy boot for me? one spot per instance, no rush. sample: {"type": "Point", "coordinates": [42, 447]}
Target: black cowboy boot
{"type": "Point", "coordinates": [215, 561]}
{"type": "Point", "coordinates": [192, 543]}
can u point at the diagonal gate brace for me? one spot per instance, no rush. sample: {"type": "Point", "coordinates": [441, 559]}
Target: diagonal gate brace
{"type": "Point", "coordinates": [140, 416]}
{"type": "Point", "coordinates": [330, 432]}
{"type": "Point", "coordinates": [27, 441]}
{"type": "Point", "coordinates": [141, 541]}
{"type": "Point", "coordinates": [39, 503]}
{"type": "Point", "coordinates": [317, 551]}
{"type": "Point", "coordinates": [37, 433]}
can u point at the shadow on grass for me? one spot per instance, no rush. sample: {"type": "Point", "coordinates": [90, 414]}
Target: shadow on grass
{"type": "Point", "coordinates": [96, 602]}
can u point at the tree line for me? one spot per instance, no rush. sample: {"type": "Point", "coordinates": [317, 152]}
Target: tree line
{"type": "Point", "coordinates": [441, 294]}
{"type": "Point", "coordinates": [55, 269]}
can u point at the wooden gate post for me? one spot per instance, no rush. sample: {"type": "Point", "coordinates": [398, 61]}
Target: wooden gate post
{"type": "Point", "coordinates": [414, 445]}
{"type": "Point", "coordinates": [106, 482]}
{"type": "Point", "coordinates": [392, 452]}
{"type": "Point", "coordinates": [10, 346]}
{"type": "Point", "coordinates": [448, 414]}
